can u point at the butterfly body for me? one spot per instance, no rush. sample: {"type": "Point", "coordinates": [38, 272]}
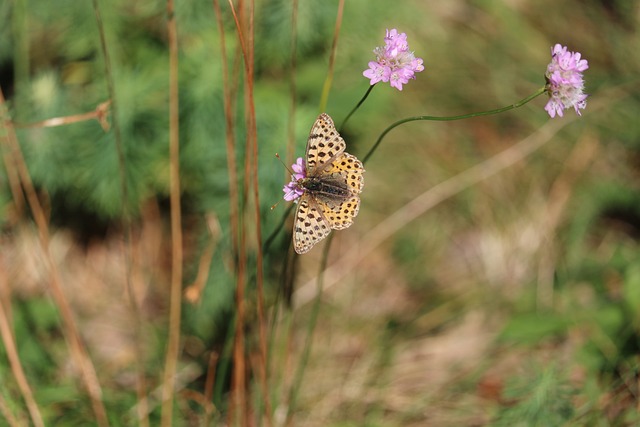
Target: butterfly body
{"type": "Point", "coordinates": [330, 187]}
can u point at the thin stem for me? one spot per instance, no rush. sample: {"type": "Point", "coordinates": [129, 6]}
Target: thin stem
{"type": "Point", "coordinates": [16, 367]}
{"type": "Point", "coordinates": [276, 230]}
{"type": "Point", "coordinates": [344, 122]}
{"type": "Point", "coordinates": [313, 320]}
{"type": "Point", "coordinates": [101, 114]}
{"type": "Point", "coordinates": [451, 118]}
{"type": "Point", "coordinates": [334, 48]}
{"type": "Point", "coordinates": [175, 303]}
{"type": "Point", "coordinates": [292, 83]}
{"type": "Point", "coordinates": [252, 135]}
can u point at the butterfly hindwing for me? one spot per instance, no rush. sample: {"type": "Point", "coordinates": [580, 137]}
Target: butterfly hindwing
{"type": "Point", "coordinates": [340, 215]}
{"type": "Point", "coordinates": [351, 170]}
{"type": "Point", "coordinates": [310, 225]}
{"type": "Point", "coordinates": [323, 145]}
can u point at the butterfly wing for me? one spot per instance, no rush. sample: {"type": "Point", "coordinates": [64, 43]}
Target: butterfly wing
{"type": "Point", "coordinates": [350, 169]}
{"type": "Point", "coordinates": [310, 224]}
{"type": "Point", "coordinates": [340, 214]}
{"type": "Point", "coordinates": [324, 144]}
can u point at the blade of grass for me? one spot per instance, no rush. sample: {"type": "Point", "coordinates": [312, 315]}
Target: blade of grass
{"type": "Point", "coordinates": [21, 71]}
{"type": "Point", "coordinates": [22, 53]}
{"type": "Point", "coordinates": [332, 58]}
{"type": "Point", "coordinates": [14, 361]}
{"type": "Point", "coordinates": [100, 114]}
{"type": "Point", "coordinates": [6, 413]}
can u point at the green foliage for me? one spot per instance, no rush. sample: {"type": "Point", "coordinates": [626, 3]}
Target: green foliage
{"type": "Point", "coordinates": [532, 328]}
{"type": "Point", "coordinates": [539, 399]}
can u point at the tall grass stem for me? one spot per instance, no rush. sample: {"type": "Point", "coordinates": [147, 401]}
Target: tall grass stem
{"type": "Point", "coordinates": [175, 304]}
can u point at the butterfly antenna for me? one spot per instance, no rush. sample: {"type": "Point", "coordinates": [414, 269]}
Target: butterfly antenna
{"type": "Point", "coordinates": [290, 172]}
{"type": "Point", "coordinates": [283, 164]}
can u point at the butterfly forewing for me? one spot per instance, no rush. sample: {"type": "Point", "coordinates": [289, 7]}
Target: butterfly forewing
{"type": "Point", "coordinates": [324, 144]}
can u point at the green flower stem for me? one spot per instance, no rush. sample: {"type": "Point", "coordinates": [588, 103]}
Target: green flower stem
{"type": "Point", "coordinates": [451, 118]}
{"type": "Point", "coordinates": [356, 107]}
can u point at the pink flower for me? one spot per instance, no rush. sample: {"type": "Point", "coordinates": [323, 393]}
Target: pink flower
{"type": "Point", "coordinates": [294, 188]}
{"type": "Point", "coordinates": [394, 63]}
{"type": "Point", "coordinates": [565, 84]}
{"type": "Point", "coordinates": [299, 171]}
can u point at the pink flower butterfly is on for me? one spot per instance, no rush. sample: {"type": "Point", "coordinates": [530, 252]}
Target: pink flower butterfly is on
{"type": "Point", "coordinates": [293, 190]}
{"type": "Point", "coordinates": [394, 63]}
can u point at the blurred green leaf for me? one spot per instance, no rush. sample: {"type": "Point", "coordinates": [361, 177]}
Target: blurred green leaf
{"type": "Point", "coordinates": [531, 328]}
{"type": "Point", "coordinates": [631, 290]}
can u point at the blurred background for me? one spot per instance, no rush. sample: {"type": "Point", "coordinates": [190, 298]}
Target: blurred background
{"type": "Point", "coordinates": [509, 295]}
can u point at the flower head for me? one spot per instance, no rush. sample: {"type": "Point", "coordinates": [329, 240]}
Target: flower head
{"type": "Point", "coordinates": [394, 63]}
{"type": "Point", "coordinates": [564, 81]}
{"type": "Point", "coordinates": [294, 189]}
{"type": "Point", "coordinates": [299, 171]}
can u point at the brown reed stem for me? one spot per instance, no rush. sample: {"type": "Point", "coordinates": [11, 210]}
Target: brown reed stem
{"type": "Point", "coordinates": [70, 329]}
{"type": "Point", "coordinates": [251, 177]}
{"type": "Point", "coordinates": [208, 385]}
{"type": "Point", "coordinates": [173, 346]}
{"type": "Point", "coordinates": [16, 367]}
{"type": "Point", "coordinates": [14, 180]}
{"type": "Point", "coordinates": [252, 135]}
{"type": "Point", "coordinates": [100, 113]}
{"type": "Point", "coordinates": [238, 382]}
{"type": "Point", "coordinates": [234, 215]}
{"type": "Point", "coordinates": [229, 135]}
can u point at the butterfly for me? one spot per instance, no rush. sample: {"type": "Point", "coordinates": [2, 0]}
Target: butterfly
{"type": "Point", "coordinates": [330, 185]}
